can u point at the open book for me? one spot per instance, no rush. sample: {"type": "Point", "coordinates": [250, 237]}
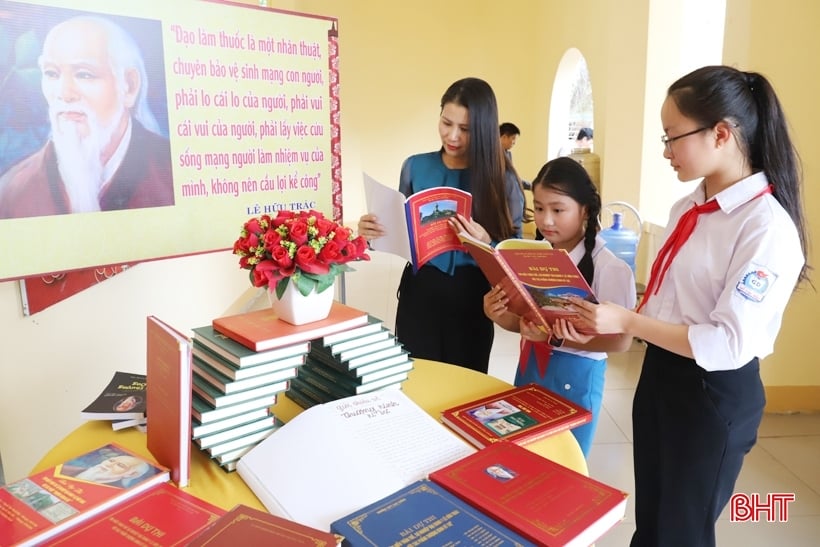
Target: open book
{"type": "Point", "coordinates": [537, 279]}
{"type": "Point", "coordinates": [336, 457]}
{"type": "Point", "coordinates": [416, 227]}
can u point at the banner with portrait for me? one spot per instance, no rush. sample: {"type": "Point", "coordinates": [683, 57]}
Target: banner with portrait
{"type": "Point", "coordinates": [132, 131]}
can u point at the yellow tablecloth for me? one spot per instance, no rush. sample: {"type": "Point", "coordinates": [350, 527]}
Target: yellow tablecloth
{"type": "Point", "coordinates": [433, 386]}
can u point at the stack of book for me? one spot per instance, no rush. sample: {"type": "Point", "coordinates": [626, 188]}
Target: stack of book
{"type": "Point", "coordinates": [359, 360]}
{"type": "Point", "coordinates": [234, 388]}
{"type": "Point", "coordinates": [122, 402]}
{"type": "Point", "coordinates": [241, 364]}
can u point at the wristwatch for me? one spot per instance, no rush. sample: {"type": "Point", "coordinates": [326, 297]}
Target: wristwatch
{"type": "Point", "coordinates": [555, 342]}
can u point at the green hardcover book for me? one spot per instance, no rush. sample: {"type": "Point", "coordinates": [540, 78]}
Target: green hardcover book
{"type": "Point", "coordinates": [301, 399]}
{"type": "Point", "coordinates": [218, 399]}
{"type": "Point", "coordinates": [240, 355]}
{"type": "Point", "coordinates": [351, 343]}
{"type": "Point", "coordinates": [232, 444]}
{"type": "Point", "coordinates": [367, 359]}
{"type": "Point", "coordinates": [240, 373]}
{"type": "Point", "coordinates": [345, 379]}
{"type": "Point", "coordinates": [310, 391]}
{"type": "Point", "coordinates": [226, 385]}
{"type": "Point", "coordinates": [328, 389]}
{"type": "Point", "coordinates": [238, 452]}
{"type": "Point", "coordinates": [206, 413]}
{"type": "Point", "coordinates": [335, 390]}
{"type": "Point", "coordinates": [374, 324]}
{"type": "Point", "coordinates": [379, 365]}
{"type": "Point", "coordinates": [359, 351]}
{"type": "Point", "coordinates": [249, 428]}
{"type": "Point", "coordinates": [199, 429]}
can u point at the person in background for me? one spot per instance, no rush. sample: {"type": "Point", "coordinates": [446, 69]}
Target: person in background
{"type": "Point", "coordinates": [439, 315]}
{"type": "Point", "coordinates": [509, 135]}
{"type": "Point", "coordinates": [583, 139]}
{"type": "Point", "coordinates": [566, 206]}
{"type": "Point", "coordinates": [714, 304]}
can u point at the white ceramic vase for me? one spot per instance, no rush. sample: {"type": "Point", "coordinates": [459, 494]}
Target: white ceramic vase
{"type": "Point", "coordinates": [297, 309]}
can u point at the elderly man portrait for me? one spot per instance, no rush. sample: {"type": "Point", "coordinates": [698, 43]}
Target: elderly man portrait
{"type": "Point", "coordinates": [105, 151]}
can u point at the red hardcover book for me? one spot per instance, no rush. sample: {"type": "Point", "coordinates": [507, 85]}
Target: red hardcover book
{"type": "Point", "coordinates": [416, 227]}
{"type": "Point", "coordinates": [245, 525]}
{"type": "Point", "coordinates": [163, 516]}
{"type": "Point", "coordinates": [262, 330]}
{"type": "Point", "coordinates": [537, 279]}
{"type": "Point", "coordinates": [538, 498]}
{"type": "Point", "coordinates": [47, 503]}
{"type": "Point", "coordinates": [522, 415]}
{"type": "Point", "coordinates": [169, 373]}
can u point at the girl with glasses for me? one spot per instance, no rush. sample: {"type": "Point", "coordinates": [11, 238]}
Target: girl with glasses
{"type": "Point", "coordinates": [734, 253]}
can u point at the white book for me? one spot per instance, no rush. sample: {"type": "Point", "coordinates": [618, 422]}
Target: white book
{"type": "Point", "coordinates": [340, 456]}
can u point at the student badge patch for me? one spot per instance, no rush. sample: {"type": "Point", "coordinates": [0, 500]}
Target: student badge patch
{"type": "Point", "coordinates": [755, 284]}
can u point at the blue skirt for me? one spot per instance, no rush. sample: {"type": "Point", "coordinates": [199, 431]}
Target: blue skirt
{"type": "Point", "coordinates": [577, 378]}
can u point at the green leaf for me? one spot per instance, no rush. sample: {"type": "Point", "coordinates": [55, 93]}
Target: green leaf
{"type": "Point", "coordinates": [304, 283]}
{"type": "Point", "coordinates": [324, 281]}
{"type": "Point", "coordinates": [281, 286]}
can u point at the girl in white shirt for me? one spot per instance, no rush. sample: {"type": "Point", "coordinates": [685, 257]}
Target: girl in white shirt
{"type": "Point", "coordinates": [714, 303]}
{"type": "Point", "coordinates": [566, 206]}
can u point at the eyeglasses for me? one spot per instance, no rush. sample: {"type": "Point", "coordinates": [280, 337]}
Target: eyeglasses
{"type": "Point", "coordinates": [667, 140]}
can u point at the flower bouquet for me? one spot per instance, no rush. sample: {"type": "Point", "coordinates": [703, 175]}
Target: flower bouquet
{"type": "Point", "coordinates": [299, 246]}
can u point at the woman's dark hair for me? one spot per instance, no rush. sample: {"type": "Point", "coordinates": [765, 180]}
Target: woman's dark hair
{"type": "Point", "coordinates": [747, 101]}
{"type": "Point", "coordinates": [486, 158]}
{"type": "Point", "coordinates": [566, 176]}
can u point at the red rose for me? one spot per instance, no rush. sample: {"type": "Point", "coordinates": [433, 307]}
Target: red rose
{"type": "Point", "coordinates": [331, 253]}
{"type": "Point", "coordinates": [281, 218]}
{"type": "Point", "coordinates": [263, 273]}
{"type": "Point", "coordinates": [325, 226]}
{"type": "Point", "coordinates": [272, 239]}
{"type": "Point", "coordinates": [356, 249]}
{"type": "Point", "coordinates": [306, 261]}
{"type": "Point", "coordinates": [283, 261]}
{"type": "Point", "coordinates": [342, 235]}
{"type": "Point", "coordinates": [253, 226]}
{"type": "Point", "coordinates": [298, 232]}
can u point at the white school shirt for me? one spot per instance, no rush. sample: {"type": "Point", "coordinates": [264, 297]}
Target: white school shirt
{"type": "Point", "coordinates": [613, 282]}
{"type": "Point", "coordinates": [731, 280]}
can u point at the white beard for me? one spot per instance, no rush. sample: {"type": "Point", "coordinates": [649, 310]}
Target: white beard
{"type": "Point", "coordinates": [98, 474]}
{"type": "Point", "coordinates": [78, 158]}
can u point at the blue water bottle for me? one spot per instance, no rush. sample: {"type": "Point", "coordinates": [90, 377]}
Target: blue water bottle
{"type": "Point", "coordinates": [622, 241]}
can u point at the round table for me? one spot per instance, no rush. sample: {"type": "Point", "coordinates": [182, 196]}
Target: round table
{"type": "Point", "coordinates": [433, 386]}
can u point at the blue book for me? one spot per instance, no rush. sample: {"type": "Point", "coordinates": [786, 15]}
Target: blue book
{"type": "Point", "coordinates": [419, 513]}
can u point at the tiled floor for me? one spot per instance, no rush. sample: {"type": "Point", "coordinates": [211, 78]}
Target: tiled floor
{"type": "Point", "coordinates": [786, 458]}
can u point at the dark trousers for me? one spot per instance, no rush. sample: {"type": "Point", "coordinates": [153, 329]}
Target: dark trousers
{"type": "Point", "coordinates": [691, 430]}
{"type": "Point", "coordinates": [441, 317]}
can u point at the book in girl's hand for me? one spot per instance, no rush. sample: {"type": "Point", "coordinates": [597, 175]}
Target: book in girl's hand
{"type": "Point", "coordinates": [537, 279]}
